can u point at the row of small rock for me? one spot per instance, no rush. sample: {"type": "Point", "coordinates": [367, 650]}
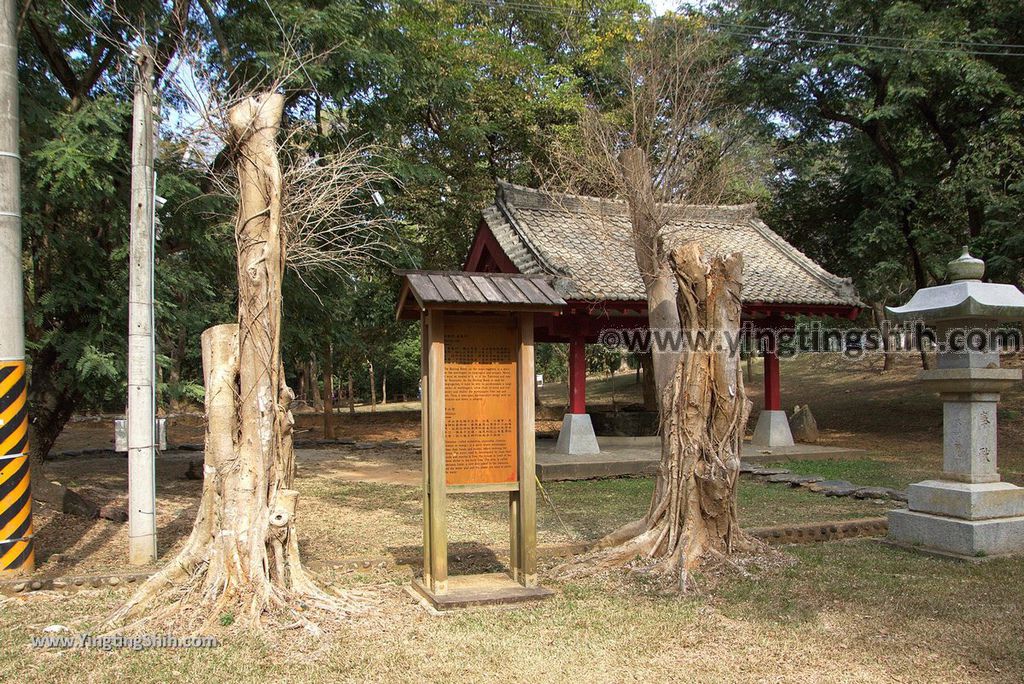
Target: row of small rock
{"type": "Point", "coordinates": [818, 484]}
{"type": "Point", "coordinates": [80, 582]}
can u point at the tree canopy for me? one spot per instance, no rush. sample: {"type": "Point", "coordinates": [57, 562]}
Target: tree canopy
{"type": "Point", "coordinates": [886, 133]}
{"type": "Point", "coordinates": [896, 127]}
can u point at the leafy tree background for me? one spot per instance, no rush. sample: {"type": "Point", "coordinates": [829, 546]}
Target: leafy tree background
{"type": "Point", "coordinates": [896, 138]}
{"type": "Point", "coordinates": [882, 134]}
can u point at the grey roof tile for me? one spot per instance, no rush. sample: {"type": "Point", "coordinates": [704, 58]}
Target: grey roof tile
{"type": "Point", "coordinates": [585, 243]}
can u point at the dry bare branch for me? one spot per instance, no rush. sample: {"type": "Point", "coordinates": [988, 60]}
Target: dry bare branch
{"type": "Point", "coordinates": [331, 221]}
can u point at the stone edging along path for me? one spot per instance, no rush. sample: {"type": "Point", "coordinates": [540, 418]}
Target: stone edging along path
{"type": "Point", "coordinates": [819, 485]}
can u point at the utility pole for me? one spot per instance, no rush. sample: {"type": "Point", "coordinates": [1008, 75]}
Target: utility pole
{"type": "Point", "coordinates": [17, 554]}
{"type": "Point", "coordinates": [141, 343]}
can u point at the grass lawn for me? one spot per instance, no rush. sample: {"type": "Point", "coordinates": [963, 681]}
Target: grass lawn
{"type": "Point", "coordinates": [843, 611]}
{"type": "Point", "coordinates": [889, 415]}
{"type": "Point", "coordinates": [341, 518]}
{"type": "Point", "coordinates": [384, 520]}
{"type": "Point", "coordinates": [857, 471]}
{"type": "Point", "coordinates": [853, 612]}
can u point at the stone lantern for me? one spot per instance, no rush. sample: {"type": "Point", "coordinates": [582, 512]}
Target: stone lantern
{"type": "Point", "coordinates": [969, 512]}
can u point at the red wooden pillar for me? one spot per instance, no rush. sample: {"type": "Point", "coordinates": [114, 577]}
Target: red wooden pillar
{"type": "Point", "coordinates": [577, 375]}
{"type": "Point", "coordinates": [772, 399]}
{"type": "Point", "coordinates": [770, 352]}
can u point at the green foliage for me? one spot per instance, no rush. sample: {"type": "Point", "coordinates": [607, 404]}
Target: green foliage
{"type": "Point", "coordinates": [403, 362]}
{"type": "Point", "coordinates": [94, 365]}
{"type": "Point", "coordinates": [601, 359]}
{"type": "Point", "coordinates": [74, 199]}
{"type": "Point", "coordinates": [476, 92]}
{"type": "Point", "coordinates": [896, 142]}
{"type": "Point", "coordinates": [551, 360]}
{"type": "Point", "coordinates": [188, 392]}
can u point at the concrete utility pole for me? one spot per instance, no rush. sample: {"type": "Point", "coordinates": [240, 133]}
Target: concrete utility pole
{"type": "Point", "coordinates": [141, 343]}
{"type": "Point", "coordinates": [16, 547]}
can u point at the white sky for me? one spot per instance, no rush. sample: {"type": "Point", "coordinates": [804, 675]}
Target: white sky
{"type": "Point", "coordinates": [661, 6]}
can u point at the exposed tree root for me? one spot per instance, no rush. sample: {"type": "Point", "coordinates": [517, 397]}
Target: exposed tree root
{"type": "Point", "coordinates": [187, 594]}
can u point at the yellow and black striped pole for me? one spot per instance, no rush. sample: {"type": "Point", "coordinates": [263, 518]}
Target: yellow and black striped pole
{"type": "Point", "coordinates": [16, 552]}
{"type": "Point", "coordinates": [16, 549]}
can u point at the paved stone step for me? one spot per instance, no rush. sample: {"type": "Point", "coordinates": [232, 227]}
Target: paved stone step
{"type": "Point", "coordinates": [805, 480]}
{"type": "Point", "coordinates": [833, 487]}
{"type": "Point", "coordinates": [788, 478]}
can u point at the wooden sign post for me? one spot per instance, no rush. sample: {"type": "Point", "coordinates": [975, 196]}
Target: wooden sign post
{"type": "Point", "coordinates": [478, 421]}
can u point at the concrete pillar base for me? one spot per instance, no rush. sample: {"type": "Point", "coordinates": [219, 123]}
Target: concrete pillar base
{"type": "Point", "coordinates": [969, 501]}
{"type": "Point", "coordinates": [955, 536]}
{"type": "Point", "coordinates": [577, 435]}
{"type": "Point", "coordinates": [969, 520]}
{"type": "Point", "coordinates": [772, 430]}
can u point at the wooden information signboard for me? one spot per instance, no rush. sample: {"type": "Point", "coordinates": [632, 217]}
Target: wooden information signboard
{"type": "Point", "coordinates": [478, 420]}
{"type": "Point", "coordinates": [480, 400]}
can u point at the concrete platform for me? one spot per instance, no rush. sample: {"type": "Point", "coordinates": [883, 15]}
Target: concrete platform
{"type": "Point", "coordinates": [968, 501]}
{"type": "Point", "coordinates": [955, 537]}
{"type": "Point", "coordinates": [638, 456]}
{"type": "Point", "coordinates": [619, 456]}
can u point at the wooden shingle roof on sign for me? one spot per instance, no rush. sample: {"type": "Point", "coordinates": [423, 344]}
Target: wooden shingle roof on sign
{"type": "Point", "coordinates": [585, 244]}
{"type": "Point", "coordinates": [456, 290]}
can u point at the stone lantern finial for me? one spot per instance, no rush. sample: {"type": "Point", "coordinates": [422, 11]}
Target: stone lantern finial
{"type": "Point", "coordinates": [965, 267]}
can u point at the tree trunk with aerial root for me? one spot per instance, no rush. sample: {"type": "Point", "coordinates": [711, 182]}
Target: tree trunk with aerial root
{"type": "Point", "coordinates": [242, 557]}
{"type": "Point", "coordinates": [693, 510]}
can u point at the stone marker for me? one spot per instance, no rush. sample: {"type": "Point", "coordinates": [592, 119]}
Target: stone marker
{"type": "Point", "coordinates": [803, 425]}
{"type": "Point", "coordinates": [968, 512]}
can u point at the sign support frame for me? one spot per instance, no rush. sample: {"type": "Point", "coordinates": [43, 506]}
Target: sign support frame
{"type": "Point", "coordinates": [520, 583]}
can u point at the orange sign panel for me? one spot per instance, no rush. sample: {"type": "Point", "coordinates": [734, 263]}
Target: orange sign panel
{"type": "Point", "coordinates": [480, 422]}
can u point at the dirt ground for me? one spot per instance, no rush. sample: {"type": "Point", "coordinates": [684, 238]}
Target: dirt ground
{"type": "Point", "coordinates": [395, 422]}
{"type": "Point", "coordinates": [365, 503]}
{"type": "Point", "coordinates": [889, 415]}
